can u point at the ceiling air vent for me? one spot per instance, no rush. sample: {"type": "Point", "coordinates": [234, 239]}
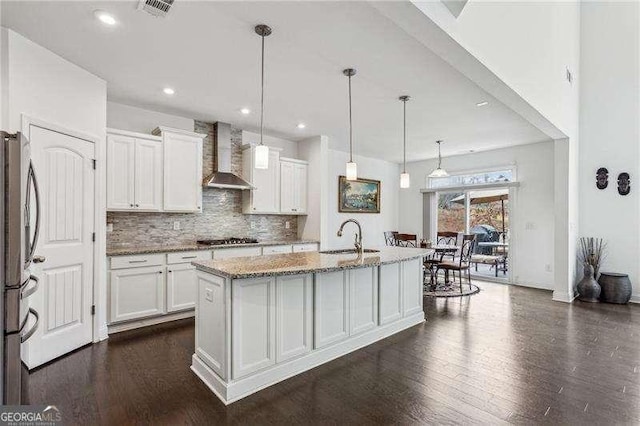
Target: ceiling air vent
{"type": "Point", "coordinates": [157, 8]}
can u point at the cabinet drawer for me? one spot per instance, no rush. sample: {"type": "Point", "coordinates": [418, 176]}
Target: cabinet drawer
{"type": "Point", "coordinates": [298, 248]}
{"type": "Point", "coordinates": [229, 253]}
{"type": "Point", "coordinates": [119, 262]}
{"type": "Point", "coordinates": [188, 256]}
{"type": "Point", "coordinates": [276, 249]}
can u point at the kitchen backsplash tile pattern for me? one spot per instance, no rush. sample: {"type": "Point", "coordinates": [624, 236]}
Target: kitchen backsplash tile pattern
{"type": "Point", "coordinates": [221, 211]}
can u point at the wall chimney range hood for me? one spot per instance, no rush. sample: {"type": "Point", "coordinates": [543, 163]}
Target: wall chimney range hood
{"type": "Point", "coordinates": [222, 176]}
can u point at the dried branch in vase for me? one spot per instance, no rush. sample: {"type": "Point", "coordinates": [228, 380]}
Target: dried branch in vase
{"type": "Point", "coordinates": [592, 251]}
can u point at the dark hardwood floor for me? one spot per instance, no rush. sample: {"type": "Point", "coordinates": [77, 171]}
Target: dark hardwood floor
{"type": "Point", "coordinates": [505, 355]}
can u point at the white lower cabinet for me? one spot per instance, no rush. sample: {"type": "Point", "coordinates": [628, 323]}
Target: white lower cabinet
{"type": "Point", "coordinates": [390, 293]}
{"type": "Point", "coordinates": [412, 295]}
{"type": "Point", "coordinates": [182, 288]}
{"type": "Point", "coordinates": [136, 293]}
{"type": "Point", "coordinates": [211, 327]}
{"type": "Point", "coordinates": [363, 285]}
{"type": "Point", "coordinates": [253, 318]}
{"type": "Point", "coordinates": [294, 316]}
{"type": "Point", "coordinates": [331, 308]}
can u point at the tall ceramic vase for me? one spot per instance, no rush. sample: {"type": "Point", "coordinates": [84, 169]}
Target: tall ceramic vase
{"type": "Point", "coordinates": [588, 287]}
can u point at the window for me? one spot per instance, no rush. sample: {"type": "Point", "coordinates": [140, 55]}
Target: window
{"type": "Point", "coordinates": [477, 178]}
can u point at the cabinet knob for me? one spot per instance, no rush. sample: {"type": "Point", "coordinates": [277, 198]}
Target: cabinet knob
{"type": "Point", "coordinates": [130, 205]}
{"type": "Point", "coordinates": [137, 205]}
{"type": "Point", "coordinates": [169, 271]}
{"type": "Point", "coordinates": [159, 272]}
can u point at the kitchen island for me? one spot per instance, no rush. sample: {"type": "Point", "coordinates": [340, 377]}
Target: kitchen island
{"type": "Point", "coordinates": [260, 320]}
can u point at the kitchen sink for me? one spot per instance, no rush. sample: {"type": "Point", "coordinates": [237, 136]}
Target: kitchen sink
{"type": "Point", "coordinates": [349, 251]}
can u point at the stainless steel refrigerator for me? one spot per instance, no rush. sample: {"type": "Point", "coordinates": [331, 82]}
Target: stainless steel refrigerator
{"type": "Point", "coordinates": [20, 221]}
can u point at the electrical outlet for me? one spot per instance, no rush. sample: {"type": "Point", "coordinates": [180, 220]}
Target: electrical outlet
{"type": "Point", "coordinates": [208, 295]}
{"type": "Point", "coordinates": [109, 227]}
{"type": "Point", "coordinates": [530, 226]}
{"type": "Point", "coordinates": [547, 268]}
{"type": "Point", "coordinates": [176, 226]}
{"type": "Point", "coordinates": [253, 225]}
{"type": "Point", "coordinates": [287, 225]}
{"type": "Point", "coordinates": [569, 76]}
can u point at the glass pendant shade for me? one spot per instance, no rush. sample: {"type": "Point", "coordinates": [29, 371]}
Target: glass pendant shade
{"type": "Point", "coordinates": [438, 173]}
{"type": "Point", "coordinates": [352, 171]}
{"type": "Point", "coordinates": [261, 160]}
{"type": "Point", "coordinates": [405, 180]}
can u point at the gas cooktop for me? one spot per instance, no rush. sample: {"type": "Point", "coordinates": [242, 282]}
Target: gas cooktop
{"type": "Point", "coordinates": [225, 241]}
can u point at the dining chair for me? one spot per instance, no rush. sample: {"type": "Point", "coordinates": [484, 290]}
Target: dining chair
{"type": "Point", "coordinates": [407, 240]}
{"type": "Point", "coordinates": [462, 264]}
{"type": "Point", "coordinates": [390, 238]}
{"type": "Point", "coordinates": [447, 238]}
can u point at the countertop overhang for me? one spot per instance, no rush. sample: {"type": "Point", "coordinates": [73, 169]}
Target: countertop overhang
{"type": "Point", "coordinates": [132, 249]}
{"type": "Point", "coordinates": [306, 262]}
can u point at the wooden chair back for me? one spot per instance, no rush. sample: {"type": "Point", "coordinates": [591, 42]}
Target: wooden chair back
{"type": "Point", "coordinates": [447, 238]}
{"type": "Point", "coordinates": [390, 238]}
{"type": "Point", "coordinates": [407, 240]}
{"type": "Point", "coordinates": [468, 244]}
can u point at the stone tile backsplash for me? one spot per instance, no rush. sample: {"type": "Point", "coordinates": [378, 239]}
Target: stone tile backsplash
{"type": "Point", "coordinates": [221, 211]}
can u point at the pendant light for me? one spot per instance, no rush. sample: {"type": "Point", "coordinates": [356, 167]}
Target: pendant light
{"type": "Point", "coordinates": [261, 160]}
{"type": "Point", "coordinates": [439, 171]}
{"type": "Point", "coordinates": [405, 180]}
{"type": "Point", "coordinates": [352, 168]}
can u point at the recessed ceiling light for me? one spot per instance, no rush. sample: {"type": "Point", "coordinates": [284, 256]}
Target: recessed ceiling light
{"type": "Point", "coordinates": [168, 91]}
{"type": "Point", "coordinates": [245, 111]}
{"type": "Point", "coordinates": [483, 103]}
{"type": "Point", "coordinates": [301, 125]}
{"type": "Point", "coordinates": [105, 17]}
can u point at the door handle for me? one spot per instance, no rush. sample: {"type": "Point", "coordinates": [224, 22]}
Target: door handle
{"type": "Point", "coordinates": [39, 259]}
{"type": "Point", "coordinates": [26, 292]}
{"type": "Point", "coordinates": [25, 336]}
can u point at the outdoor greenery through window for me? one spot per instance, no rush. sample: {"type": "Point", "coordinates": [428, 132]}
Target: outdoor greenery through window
{"type": "Point", "coordinates": [497, 176]}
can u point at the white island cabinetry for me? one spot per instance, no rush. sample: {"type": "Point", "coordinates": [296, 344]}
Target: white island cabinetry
{"type": "Point", "coordinates": [257, 328]}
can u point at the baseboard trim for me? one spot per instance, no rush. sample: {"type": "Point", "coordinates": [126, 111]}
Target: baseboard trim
{"type": "Point", "coordinates": [563, 297]}
{"type": "Point", "coordinates": [635, 298]}
{"type": "Point", "coordinates": [103, 333]}
{"type": "Point", "coordinates": [234, 390]}
{"type": "Point", "coordinates": [130, 325]}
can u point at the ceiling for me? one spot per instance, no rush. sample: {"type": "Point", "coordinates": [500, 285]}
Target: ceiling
{"type": "Point", "coordinates": [208, 52]}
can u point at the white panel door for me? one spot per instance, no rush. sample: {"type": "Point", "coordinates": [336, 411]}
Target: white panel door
{"type": "Point", "coordinates": [182, 173]}
{"type": "Point", "coordinates": [363, 283]}
{"type": "Point", "coordinates": [390, 293]}
{"type": "Point", "coordinates": [148, 175]}
{"type": "Point", "coordinates": [300, 189]}
{"type": "Point", "coordinates": [64, 167]}
{"type": "Point", "coordinates": [253, 331]}
{"type": "Point", "coordinates": [136, 293]}
{"type": "Point", "coordinates": [331, 308]}
{"type": "Point", "coordinates": [120, 172]}
{"type": "Point", "coordinates": [412, 283]}
{"type": "Point", "coordinates": [294, 316]}
{"type": "Point", "coordinates": [287, 187]}
{"type": "Point", "coordinates": [181, 287]}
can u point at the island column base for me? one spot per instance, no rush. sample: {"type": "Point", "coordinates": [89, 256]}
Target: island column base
{"type": "Point", "coordinates": [229, 392]}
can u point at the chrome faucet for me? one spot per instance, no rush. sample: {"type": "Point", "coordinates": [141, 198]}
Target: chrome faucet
{"type": "Point", "coordinates": [358, 240]}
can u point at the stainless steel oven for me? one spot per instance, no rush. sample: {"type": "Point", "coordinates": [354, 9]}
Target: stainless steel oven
{"type": "Point", "coordinates": [21, 224]}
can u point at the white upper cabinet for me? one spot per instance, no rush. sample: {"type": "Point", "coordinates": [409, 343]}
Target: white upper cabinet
{"type": "Point", "coordinates": [182, 170]}
{"type": "Point", "coordinates": [293, 186]}
{"type": "Point", "coordinates": [134, 171]}
{"type": "Point", "coordinates": [265, 198]}
{"type": "Point", "coordinates": [148, 175]}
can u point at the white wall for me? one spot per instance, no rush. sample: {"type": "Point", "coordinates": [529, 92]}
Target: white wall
{"type": "Point", "coordinates": [533, 206]}
{"type": "Point", "coordinates": [289, 148]}
{"type": "Point", "coordinates": [313, 226]}
{"type": "Point", "coordinates": [134, 119]}
{"type": "Point", "coordinates": [373, 225]}
{"type": "Point", "coordinates": [610, 130]}
{"type": "Point", "coordinates": [46, 87]}
{"type": "Point", "coordinates": [528, 45]}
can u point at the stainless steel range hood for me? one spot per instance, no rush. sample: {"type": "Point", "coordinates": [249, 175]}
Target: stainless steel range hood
{"type": "Point", "coordinates": [222, 176]}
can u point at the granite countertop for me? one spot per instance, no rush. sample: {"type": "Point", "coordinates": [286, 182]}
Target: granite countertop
{"type": "Point", "coordinates": [307, 262]}
{"type": "Point", "coordinates": [125, 249]}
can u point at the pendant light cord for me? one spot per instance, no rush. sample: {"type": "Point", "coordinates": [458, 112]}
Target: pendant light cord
{"type": "Point", "coordinates": [262, 93]}
{"type": "Point", "coordinates": [404, 136]}
{"type": "Point", "coordinates": [439, 155]}
{"type": "Point", "coordinates": [350, 126]}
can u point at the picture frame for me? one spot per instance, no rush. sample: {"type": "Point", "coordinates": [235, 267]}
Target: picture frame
{"type": "Point", "coordinates": [358, 196]}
